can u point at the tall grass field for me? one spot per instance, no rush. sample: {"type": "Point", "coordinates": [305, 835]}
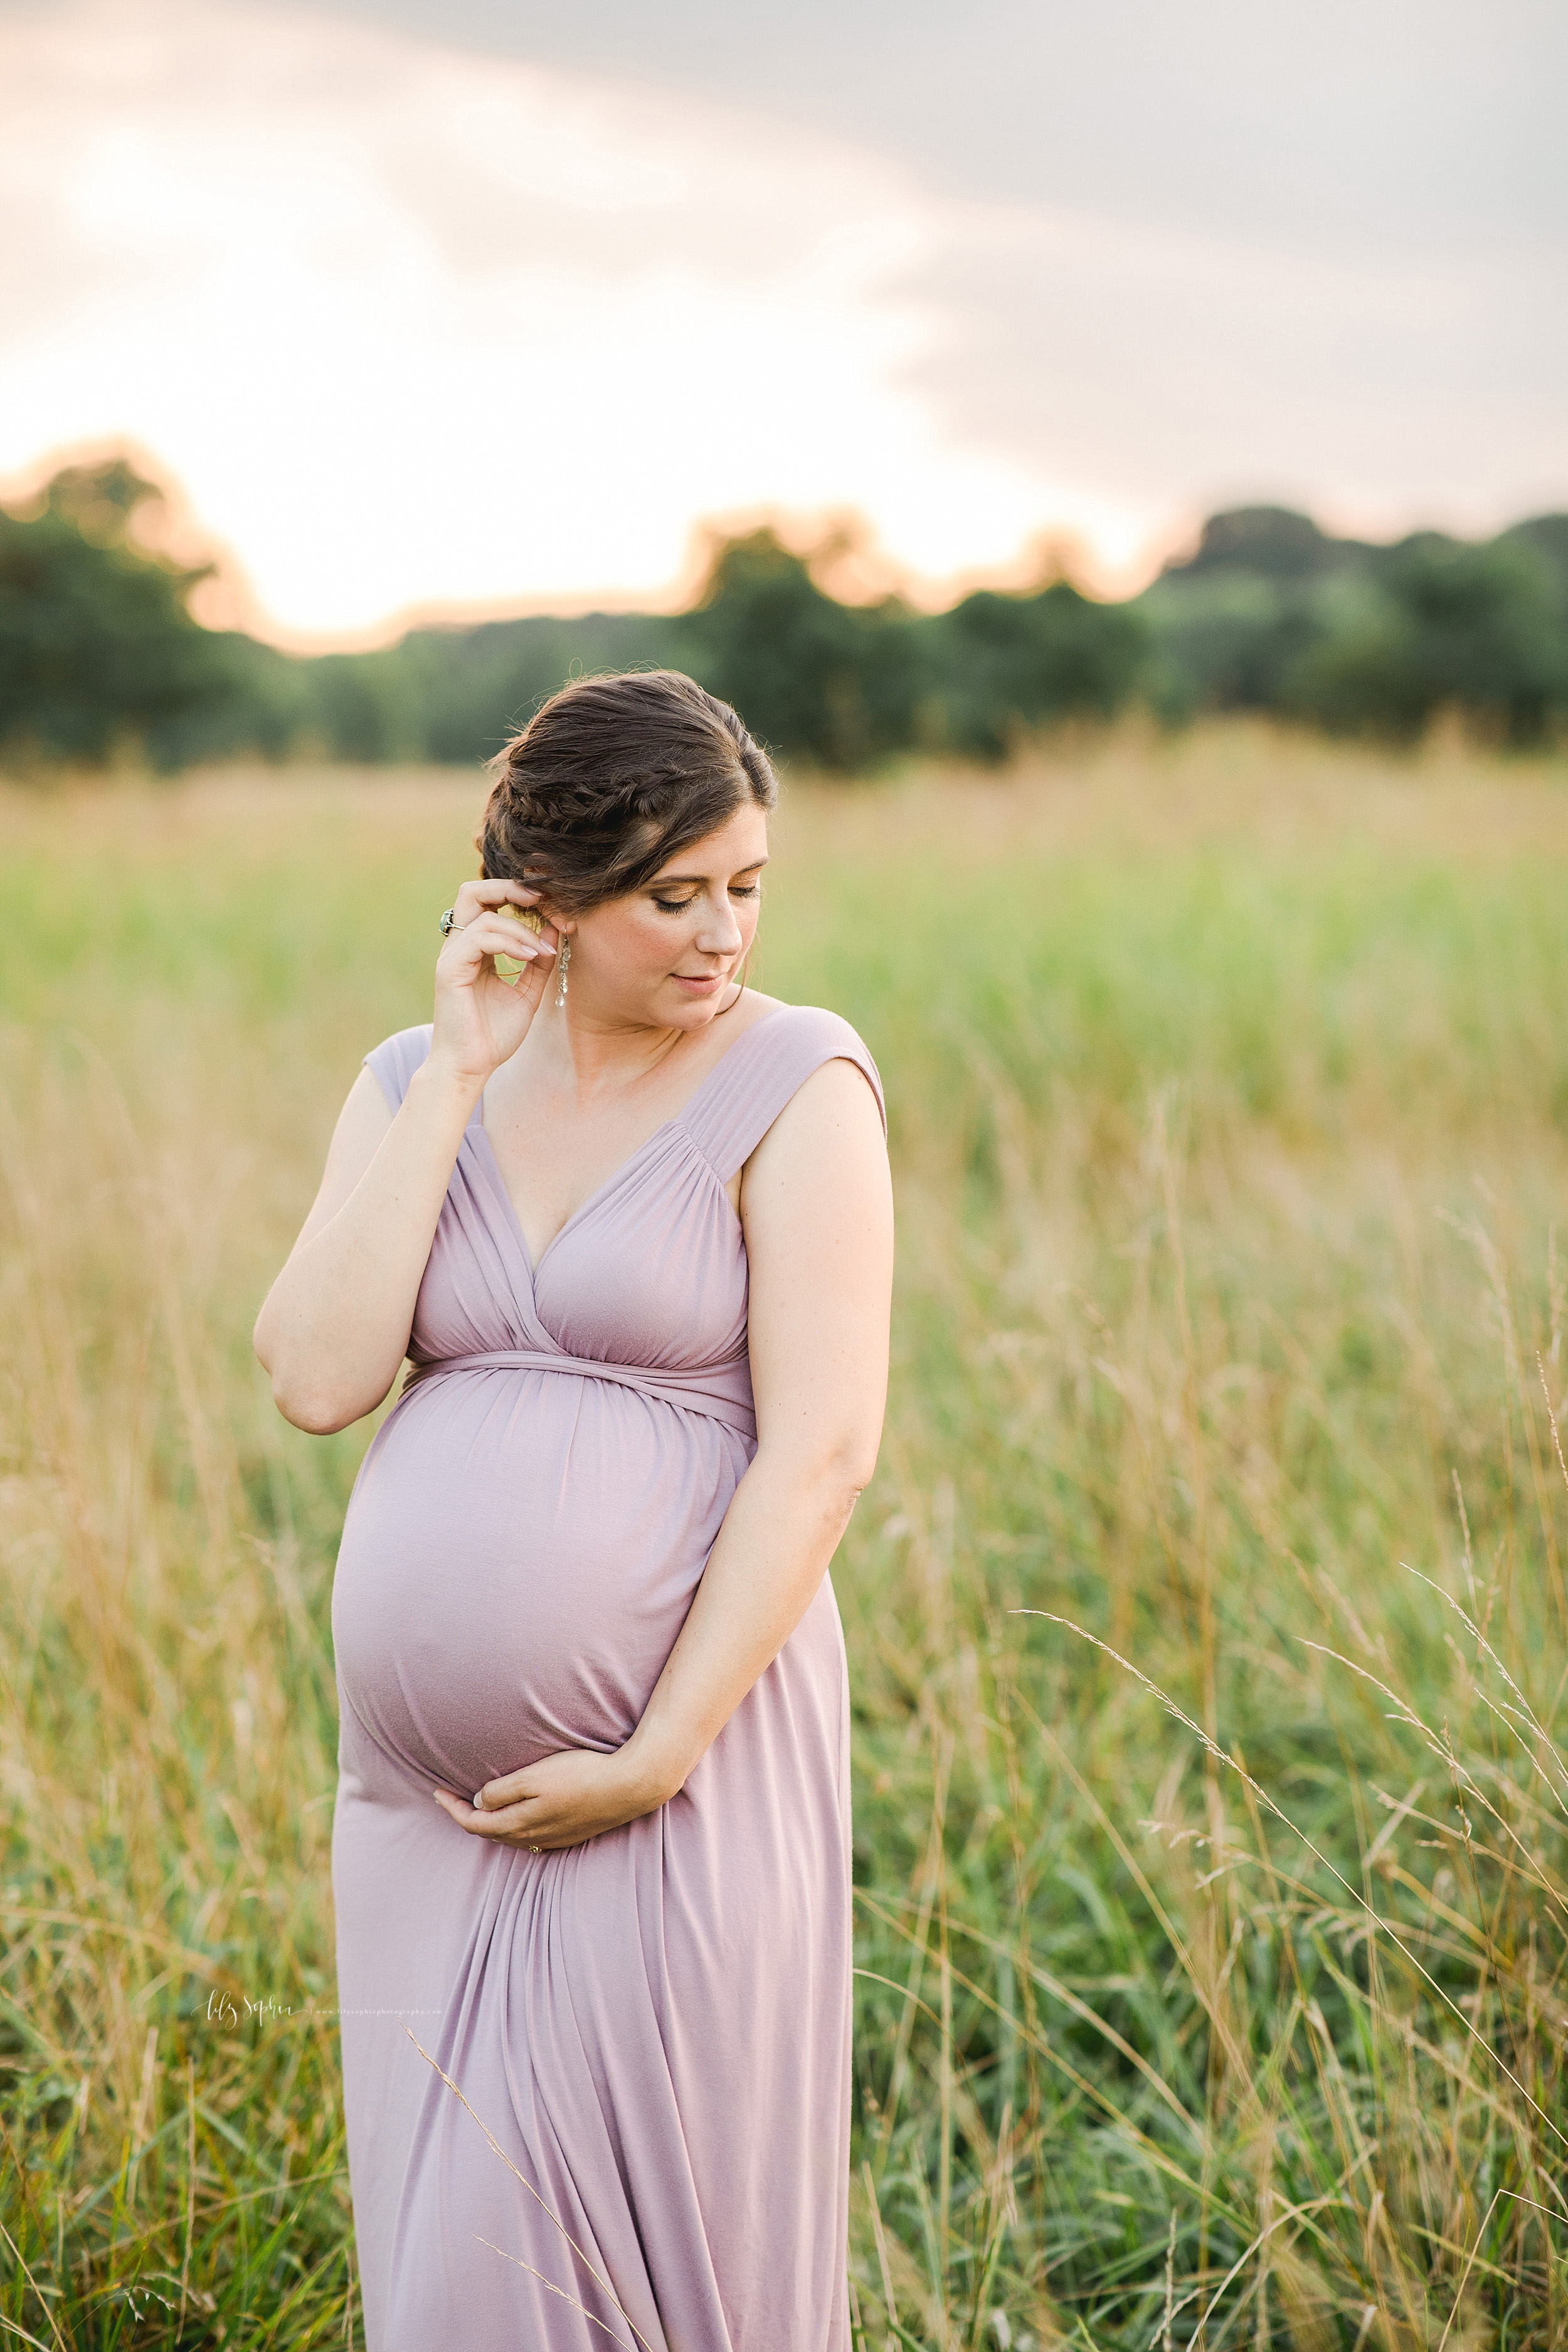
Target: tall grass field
{"type": "Point", "coordinates": [1208, 1617]}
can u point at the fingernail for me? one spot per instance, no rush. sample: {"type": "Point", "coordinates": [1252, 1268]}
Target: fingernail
{"type": "Point", "coordinates": [479, 1802]}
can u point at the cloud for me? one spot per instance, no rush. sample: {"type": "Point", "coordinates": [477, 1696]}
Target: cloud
{"type": "Point", "coordinates": [1180, 252]}
{"type": "Point", "coordinates": [419, 325]}
{"type": "Point", "coordinates": [413, 327]}
{"type": "Point", "coordinates": [1388, 127]}
{"type": "Point", "coordinates": [1191, 369]}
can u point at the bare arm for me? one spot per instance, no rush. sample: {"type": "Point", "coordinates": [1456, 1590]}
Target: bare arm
{"type": "Point", "coordinates": [817, 1206]}
{"type": "Point", "coordinates": [818, 1214]}
{"type": "Point", "coordinates": [334, 1327]}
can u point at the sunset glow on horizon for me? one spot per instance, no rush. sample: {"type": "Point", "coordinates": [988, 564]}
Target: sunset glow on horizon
{"type": "Point", "coordinates": [416, 328]}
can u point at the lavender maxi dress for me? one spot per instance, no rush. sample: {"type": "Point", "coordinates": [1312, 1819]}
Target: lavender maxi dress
{"type": "Point", "coordinates": [651, 2029]}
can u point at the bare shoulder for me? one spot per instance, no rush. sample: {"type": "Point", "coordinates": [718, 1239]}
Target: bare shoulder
{"type": "Point", "coordinates": [811, 1026]}
{"type": "Point", "coordinates": [837, 1090]}
{"type": "Point", "coordinates": [816, 1209]}
{"type": "Point", "coordinates": [830, 1127]}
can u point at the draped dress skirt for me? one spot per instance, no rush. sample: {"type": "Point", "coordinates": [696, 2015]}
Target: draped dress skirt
{"type": "Point", "coordinates": [599, 2096]}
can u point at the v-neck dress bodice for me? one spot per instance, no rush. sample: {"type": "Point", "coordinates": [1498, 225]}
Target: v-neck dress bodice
{"type": "Point", "coordinates": [652, 2028]}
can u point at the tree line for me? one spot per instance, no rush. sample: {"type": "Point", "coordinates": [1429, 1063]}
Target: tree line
{"type": "Point", "coordinates": [100, 657]}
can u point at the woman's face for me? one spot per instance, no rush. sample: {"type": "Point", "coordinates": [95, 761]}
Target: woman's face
{"type": "Point", "coordinates": [664, 955]}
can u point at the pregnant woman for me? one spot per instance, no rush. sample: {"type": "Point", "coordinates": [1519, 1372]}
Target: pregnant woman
{"type": "Point", "coordinates": [631, 1222]}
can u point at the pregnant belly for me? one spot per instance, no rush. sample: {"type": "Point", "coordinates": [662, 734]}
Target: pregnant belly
{"type": "Point", "coordinates": [518, 1558]}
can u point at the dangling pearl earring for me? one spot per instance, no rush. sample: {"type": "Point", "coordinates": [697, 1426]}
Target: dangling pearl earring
{"type": "Point", "coordinates": [561, 962]}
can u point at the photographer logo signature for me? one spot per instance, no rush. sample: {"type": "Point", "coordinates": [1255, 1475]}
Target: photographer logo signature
{"type": "Point", "coordinates": [223, 2010]}
{"type": "Point", "coordinates": [226, 2008]}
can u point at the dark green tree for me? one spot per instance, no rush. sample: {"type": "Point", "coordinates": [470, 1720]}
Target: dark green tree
{"type": "Point", "coordinates": [1478, 629]}
{"type": "Point", "coordinates": [1230, 624]}
{"type": "Point", "coordinates": [1225, 640]}
{"type": "Point", "coordinates": [998, 666]}
{"type": "Point", "coordinates": [99, 652]}
{"type": "Point", "coordinates": [475, 686]}
{"type": "Point", "coordinates": [831, 684]}
{"type": "Point", "coordinates": [96, 644]}
{"type": "Point", "coordinates": [1547, 536]}
{"type": "Point", "coordinates": [1267, 543]}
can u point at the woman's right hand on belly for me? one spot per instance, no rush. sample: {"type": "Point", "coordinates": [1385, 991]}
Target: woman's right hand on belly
{"type": "Point", "coordinates": [480, 1018]}
{"type": "Point", "coordinates": [564, 1800]}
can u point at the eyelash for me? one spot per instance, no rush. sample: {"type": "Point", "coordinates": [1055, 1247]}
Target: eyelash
{"type": "Point", "coordinates": [678, 906]}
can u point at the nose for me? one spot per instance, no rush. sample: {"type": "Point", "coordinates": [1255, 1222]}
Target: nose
{"type": "Point", "coordinates": [720, 934]}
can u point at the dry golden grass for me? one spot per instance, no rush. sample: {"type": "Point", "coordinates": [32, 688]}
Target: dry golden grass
{"type": "Point", "coordinates": [1230, 1121]}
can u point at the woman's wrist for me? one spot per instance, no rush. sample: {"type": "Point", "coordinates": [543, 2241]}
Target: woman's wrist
{"type": "Point", "coordinates": [438, 1084]}
{"type": "Point", "coordinates": [653, 1775]}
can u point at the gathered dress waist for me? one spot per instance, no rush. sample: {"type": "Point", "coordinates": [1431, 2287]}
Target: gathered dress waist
{"type": "Point", "coordinates": [722, 1391]}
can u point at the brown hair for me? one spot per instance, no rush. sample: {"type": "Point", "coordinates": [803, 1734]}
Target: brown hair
{"type": "Point", "coordinates": [610, 779]}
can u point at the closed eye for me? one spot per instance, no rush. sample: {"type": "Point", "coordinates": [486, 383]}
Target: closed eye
{"type": "Point", "coordinates": [678, 906]}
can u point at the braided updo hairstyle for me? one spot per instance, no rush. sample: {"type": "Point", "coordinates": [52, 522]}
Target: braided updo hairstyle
{"type": "Point", "coordinates": [610, 779]}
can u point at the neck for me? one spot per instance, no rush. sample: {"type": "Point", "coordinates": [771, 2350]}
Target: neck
{"type": "Point", "coordinates": [598, 1055]}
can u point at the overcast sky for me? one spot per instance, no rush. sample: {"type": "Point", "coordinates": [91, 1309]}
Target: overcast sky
{"type": "Point", "coordinates": [482, 303]}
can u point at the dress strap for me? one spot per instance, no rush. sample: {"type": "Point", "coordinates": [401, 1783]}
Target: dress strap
{"type": "Point", "coordinates": [733, 1109]}
{"type": "Point", "coordinates": [395, 1059]}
